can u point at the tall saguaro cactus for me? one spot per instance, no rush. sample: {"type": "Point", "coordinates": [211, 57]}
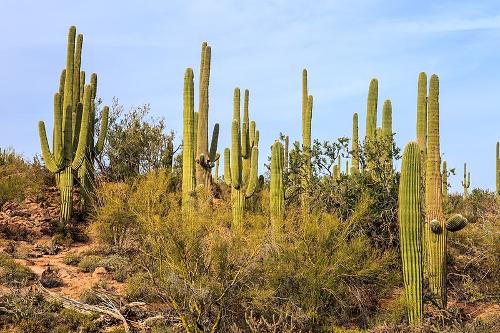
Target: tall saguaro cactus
{"type": "Point", "coordinates": [371, 110]}
{"type": "Point", "coordinates": [355, 145]}
{"type": "Point", "coordinates": [307, 106]}
{"type": "Point", "coordinates": [436, 242]}
{"type": "Point", "coordinates": [205, 158]}
{"type": "Point", "coordinates": [233, 166]}
{"type": "Point", "coordinates": [422, 114]}
{"type": "Point", "coordinates": [466, 182]}
{"type": "Point", "coordinates": [410, 231]}
{"type": "Point", "coordinates": [188, 176]}
{"type": "Point", "coordinates": [498, 172]}
{"type": "Point", "coordinates": [276, 192]}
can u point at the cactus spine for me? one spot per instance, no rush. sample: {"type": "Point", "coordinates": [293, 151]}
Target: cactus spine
{"type": "Point", "coordinates": [410, 231]}
{"type": "Point", "coordinates": [445, 183]}
{"type": "Point", "coordinates": [205, 158]}
{"type": "Point", "coordinates": [355, 145]}
{"type": "Point", "coordinates": [233, 166]}
{"type": "Point", "coordinates": [307, 106]}
{"type": "Point", "coordinates": [466, 182]}
{"type": "Point", "coordinates": [188, 176]}
{"type": "Point", "coordinates": [276, 192]}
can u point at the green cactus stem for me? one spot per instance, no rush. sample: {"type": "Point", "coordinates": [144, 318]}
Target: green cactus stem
{"type": "Point", "coordinates": [233, 166]}
{"type": "Point", "coordinates": [307, 107]}
{"type": "Point", "coordinates": [410, 231]}
{"type": "Point", "coordinates": [355, 145]}
{"type": "Point", "coordinates": [276, 192]}
{"type": "Point", "coordinates": [188, 176]}
{"type": "Point", "coordinates": [387, 133]}
{"type": "Point", "coordinates": [217, 170]}
{"type": "Point", "coordinates": [285, 153]}
{"type": "Point", "coordinates": [205, 157]}
{"type": "Point", "coordinates": [371, 110]}
{"type": "Point", "coordinates": [422, 115]}
{"type": "Point", "coordinates": [456, 223]}
{"type": "Point", "coordinates": [436, 242]}
{"type": "Point", "coordinates": [466, 182]}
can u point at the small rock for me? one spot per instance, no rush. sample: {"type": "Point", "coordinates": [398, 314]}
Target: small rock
{"type": "Point", "coordinates": [99, 271]}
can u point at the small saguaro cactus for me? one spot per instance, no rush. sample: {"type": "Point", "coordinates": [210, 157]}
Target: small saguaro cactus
{"type": "Point", "coordinates": [276, 192]}
{"type": "Point", "coordinates": [410, 231]}
{"type": "Point", "coordinates": [188, 171]}
{"type": "Point", "coordinates": [444, 176]}
{"type": "Point", "coordinates": [307, 107]}
{"type": "Point", "coordinates": [233, 166]}
{"type": "Point", "coordinates": [205, 157]}
{"type": "Point", "coordinates": [355, 145]}
{"type": "Point", "coordinates": [217, 170]}
{"type": "Point", "coordinates": [466, 182]}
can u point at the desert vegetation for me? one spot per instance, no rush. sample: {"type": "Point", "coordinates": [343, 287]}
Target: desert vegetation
{"type": "Point", "coordinates": [117, 229]}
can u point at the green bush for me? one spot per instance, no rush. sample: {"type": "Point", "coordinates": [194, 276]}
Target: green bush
{"type": "Point", "coordinates": [13, 274]}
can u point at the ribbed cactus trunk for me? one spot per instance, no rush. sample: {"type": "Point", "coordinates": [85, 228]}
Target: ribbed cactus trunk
{"type": "Point", "coordinates": [387, 133]}
{"type": "Point", "coordinates": [436, 242]}
{"type": "Point", "coordinates": [233, 166]}
{"type": "Point", "coordinates": [188, 181]}
{"type": "Point", "coordinates": [285, 153]}
{"type": "Point", "coordinates": [498, 172]}
{"type": "Point", "coordinates": [71, 123]}
{"type": "Point", "coordinates": [410, 231]}
{"type": "Point", "coordinates": [371, 116]}
{"type": "Point", "coordinates": [355, 145]}
{"type": "Point", "coordinates": [445, 183]}
{"type": "Point", "coordinates": [205, 158]}
{"type": "Point", "coordinates": [276, 192]}
{"type": "Point", "coordinates": [466, 182]}
{"type": "Point", "coordinates": [307, 106]}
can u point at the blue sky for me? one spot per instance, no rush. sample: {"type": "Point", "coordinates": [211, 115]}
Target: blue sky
{"type": "Point", "coordinates": [140, 50]}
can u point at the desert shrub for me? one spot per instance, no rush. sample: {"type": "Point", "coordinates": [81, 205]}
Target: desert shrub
{"type": "Point", "coordinates": [139, 287]}
{"type": "Point", "coordinates": [89, 263]}
{"type": "Point", "coordinates": [113, 222]}
{"type": "Point", "coordinates": [71, 259]}
{"type": "Point", "coordinates": [19, 177]}
{"type": "Point", "coordinates": [116, 264]}
{"type": "Point", "coordinates": [136, 143]}
{"type": "Point", "coordinates": [14, 274]}
{"type": "Point", "coordinates": [28, 311]}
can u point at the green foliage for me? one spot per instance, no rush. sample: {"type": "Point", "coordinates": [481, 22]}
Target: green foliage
{"type": "Point", "coordinates": [20, 178]}
{"type": "Point", "coordinates": [136, 143]}
{"type": "Point", "coordinates": [13, 274]}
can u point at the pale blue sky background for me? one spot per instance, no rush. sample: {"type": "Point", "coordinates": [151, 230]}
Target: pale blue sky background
{"type": "Point", "coordinates": [140, 50]}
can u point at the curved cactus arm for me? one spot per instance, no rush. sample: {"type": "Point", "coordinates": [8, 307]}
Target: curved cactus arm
{"type": "Point", "coordinates": [254, 173]}
{"type": "Point", "coordinates": [82, 140]}
{"type": "Point", "coordinates": [236, 155]}
{"type": "Point", "coordinates": [77, 124]}
{"type": "Point", "coordinates": [212, 155]}
{"type": "Point", "coordinates": [252, 134]}
{"type": "Point", "coordinates": [456, 222]}
{"type": "Point", "coordinates": [103, 131]}
{"type": "Point", "coordinates": [47, 156]}
{"type": "Point", "coordinates": [435, 226]}
{"type": "Point", "coordinates": [227, 166]}
{"type": "Point", "coordinates": [245, 140]}
{"type": "Point", "coordinates": [57, 137]}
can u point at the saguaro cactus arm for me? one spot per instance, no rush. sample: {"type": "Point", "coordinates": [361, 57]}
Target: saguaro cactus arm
{"type": "Point", "coordinates": [254, 173]}
{"type": "Point", "coordinates": [227, 167]}
{"type": "Point", "coordinates": [82, 140]}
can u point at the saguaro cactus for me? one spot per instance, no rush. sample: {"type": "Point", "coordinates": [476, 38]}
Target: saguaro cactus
{"type": "Point", "coordinates": [410, 231]}
{"type": "Point", "coordinates": [498, 172]}
{"type": "Point", "coordinates": [371, 110]}
{"type": "Point", "coordinates": [422, 114]}
{"type": "Point", "coordinates": [276, 192]}
{"type": "Point", "coordinates": [307, 106]}
{"type": "Point", "coordinates": [285, 153]}
{"type": "Point", "coordinates": [466, 182]}
{"type": "Point", "coordinates": [86, 171]}
{"type": "Point", "coordinates": [445, 183]}
{"type": "Point", "coordinates": [233, 166]}
{"type": "Point", "coordinates": [387, 132]}
{"type": "Point", "coordinates": [205, 158]}
{"type": "Point", "coordinates": [188, 177]}
{"type": "Point", "coordinates": [355, 145]}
